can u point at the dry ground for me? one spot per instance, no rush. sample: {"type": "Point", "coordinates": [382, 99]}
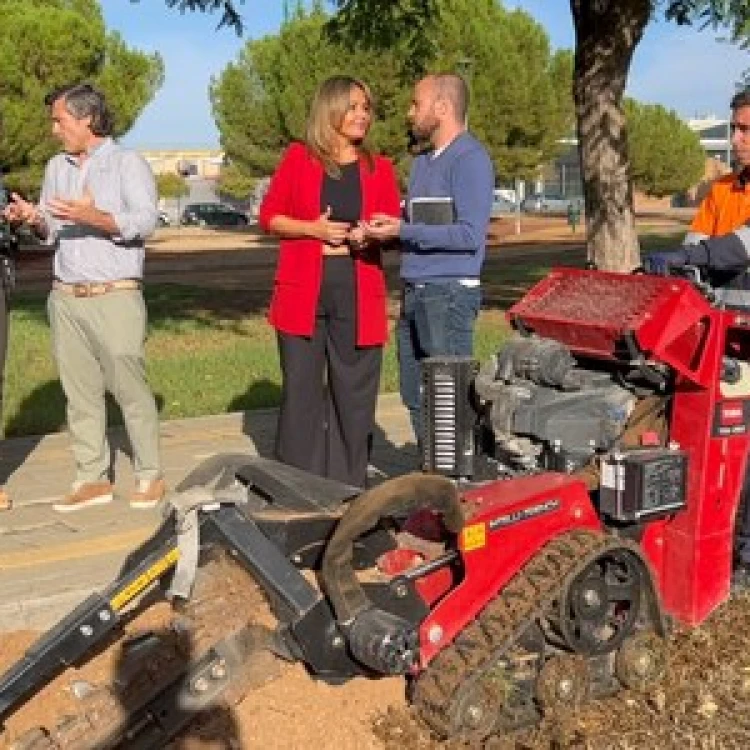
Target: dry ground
{"type": "Point", "coordinates": [703, 703]}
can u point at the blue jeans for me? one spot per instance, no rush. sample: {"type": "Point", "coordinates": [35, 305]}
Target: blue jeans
{"type": "Point", "coordinates": [435, 319]}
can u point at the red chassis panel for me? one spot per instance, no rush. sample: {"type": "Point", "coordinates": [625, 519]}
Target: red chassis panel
{"type": "Point", "coordinates": [696, 546]}
{"type": "Point", "coordinates": [594, 312]}
{"type": "Point", "coordinates": [508, 522]}
{"type": "Point", "coordinates": [602, 315]}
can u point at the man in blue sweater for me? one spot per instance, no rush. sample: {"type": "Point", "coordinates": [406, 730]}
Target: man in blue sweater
{"type": "Point", "coordinates": [443, 241]}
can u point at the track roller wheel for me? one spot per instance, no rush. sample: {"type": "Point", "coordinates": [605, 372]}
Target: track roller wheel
{"type": "Point", "coordinates": [476, 712]}
{"type": "Point", "coordinates": [641, 661]}
{"type": "Point", "coordinates": [484, 683]}
{"type": "Point", "coordinates": [563, 683]}
{"type": "Point", "coordinates": [601, 604]}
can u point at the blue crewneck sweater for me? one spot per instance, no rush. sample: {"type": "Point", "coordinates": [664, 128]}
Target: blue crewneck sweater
{"type": "Point", "coordinates": [445, 252]}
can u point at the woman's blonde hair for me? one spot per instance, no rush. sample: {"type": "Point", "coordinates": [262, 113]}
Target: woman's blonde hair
{"type": "Point", "coordinates": [327, 112]}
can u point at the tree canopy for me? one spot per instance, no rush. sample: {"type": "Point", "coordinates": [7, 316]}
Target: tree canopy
{"type": "Point", "coordinates": [227, 8]}
{"type": "Point", "coordinates": [607, 34]}
{"type": "Point", "coordinates": [666, 156]}
{"type": "Point", "coordinates": [171, 185]}
{"type": "Point", "coordinates": [236, 183]}
{"type": "Point", "coordinates": [50, 43]}
{"type": "Point", "coordinates": [520, 91]}
{"type": "Point", "coordinates": [261, 101]}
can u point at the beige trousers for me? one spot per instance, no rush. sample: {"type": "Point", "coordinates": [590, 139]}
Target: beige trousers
{"type": "Point", "coordinates": [98, 344]}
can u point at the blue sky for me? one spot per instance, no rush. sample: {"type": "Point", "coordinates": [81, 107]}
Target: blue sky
{"type": "Point", "coordinates": [681, 68]}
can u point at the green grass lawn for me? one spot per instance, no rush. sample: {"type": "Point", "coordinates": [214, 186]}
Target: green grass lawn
{"type": "Point", "coordinates": [206, 356]}
{"type": "Point", "coordinates": [199, 362]}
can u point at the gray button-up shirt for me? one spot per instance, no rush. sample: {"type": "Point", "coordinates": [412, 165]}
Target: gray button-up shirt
{"type": "Point", "coordinates": [122, 184]}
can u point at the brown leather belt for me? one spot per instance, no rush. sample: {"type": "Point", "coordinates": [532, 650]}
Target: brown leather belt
{"type": "Point", "coordinates": [95, 288]}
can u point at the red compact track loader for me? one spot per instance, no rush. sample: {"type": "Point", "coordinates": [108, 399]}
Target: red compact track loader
{"type": "Point", "coordinates": [579, 497]}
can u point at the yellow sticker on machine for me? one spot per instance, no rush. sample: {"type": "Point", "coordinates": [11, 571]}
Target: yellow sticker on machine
{"type": "Point", "coordinates": [122, 597]}
{"type": "Point", "coordinates": [474, 537]}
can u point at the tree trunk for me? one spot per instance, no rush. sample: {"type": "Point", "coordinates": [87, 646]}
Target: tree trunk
{"type": "Point", "coordinates": [607, 33]}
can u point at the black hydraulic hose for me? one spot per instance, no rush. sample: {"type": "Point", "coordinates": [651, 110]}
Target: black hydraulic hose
{"type": "Point", "coordinates": [650, 375]}
{"type": "Point", "coordinates": [398, 496]}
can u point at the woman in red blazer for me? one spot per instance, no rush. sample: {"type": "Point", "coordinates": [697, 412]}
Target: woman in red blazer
{"type": "Point", "coordinates": [329, 297]}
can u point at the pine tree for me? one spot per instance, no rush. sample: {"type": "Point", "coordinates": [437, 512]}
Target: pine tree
{"type": "Point", "coordinates": [46, 44]}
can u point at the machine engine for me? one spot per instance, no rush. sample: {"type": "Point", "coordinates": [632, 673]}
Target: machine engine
{"type": "Point", "coordinates": [533, 407]}
{"type": "Point", "coordinates": [544, 410]}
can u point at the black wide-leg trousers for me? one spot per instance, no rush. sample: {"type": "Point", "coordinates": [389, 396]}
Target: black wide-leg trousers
{"type": "Point", "coordinates": [329, 386]}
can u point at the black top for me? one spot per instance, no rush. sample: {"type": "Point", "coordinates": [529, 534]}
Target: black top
{"type": "Point", "coordinates": [343, 195]}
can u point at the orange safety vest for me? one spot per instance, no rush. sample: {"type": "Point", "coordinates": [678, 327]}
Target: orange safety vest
{"type": "Point", "coordinates": [725, 208]}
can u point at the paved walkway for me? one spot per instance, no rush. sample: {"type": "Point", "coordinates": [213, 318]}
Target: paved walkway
{"type": "Point", "coordinates": [50, 561]}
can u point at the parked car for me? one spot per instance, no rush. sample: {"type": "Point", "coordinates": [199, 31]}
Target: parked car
{"type": "Point", "coordinates": [501, 206]}
{"type": "Point", "coordinates": [550, 204]}
{"type": "Point", "coordinates": [213, 215]}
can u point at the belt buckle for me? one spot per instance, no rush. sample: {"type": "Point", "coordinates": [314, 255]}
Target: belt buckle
{"type": "Point", "coordinates": [81, 290]}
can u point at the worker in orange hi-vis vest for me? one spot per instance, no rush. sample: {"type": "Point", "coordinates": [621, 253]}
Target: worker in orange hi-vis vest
{"type": "Point", "coordinates": [719, 236]}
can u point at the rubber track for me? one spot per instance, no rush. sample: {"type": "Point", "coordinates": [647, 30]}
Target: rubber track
{"type": "Point", "coordinates": [439, 689]}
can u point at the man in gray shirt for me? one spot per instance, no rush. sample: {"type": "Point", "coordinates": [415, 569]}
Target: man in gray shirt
{"type": "Point", "coordinates": [97, 206]}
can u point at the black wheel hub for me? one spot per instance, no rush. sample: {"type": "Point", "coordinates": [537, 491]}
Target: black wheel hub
{"type": "Point", "coordinates": [563, 683]}
{"type": "Point", "coordinates": [600, 607]}
{"type": "Point", "coordinates": [641, 661]}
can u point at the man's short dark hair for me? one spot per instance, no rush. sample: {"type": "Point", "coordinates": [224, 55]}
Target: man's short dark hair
{"type": "Point", "coordinates": [740, 99]}
{"type": "Point", "coordinates": [454, 88]}
{"type": "Point", "coordinates": [83, 100]}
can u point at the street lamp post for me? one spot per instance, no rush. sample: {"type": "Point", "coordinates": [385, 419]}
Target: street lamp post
{"type": "Point", "coordinates": [464, 68]}
{"type": "Point", "coordinates": [183, 169]}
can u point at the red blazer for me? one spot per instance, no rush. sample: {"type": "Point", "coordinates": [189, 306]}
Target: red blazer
{"type": "Point", "coordinates": [295, 192]}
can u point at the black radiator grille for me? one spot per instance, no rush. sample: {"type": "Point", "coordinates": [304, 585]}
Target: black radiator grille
{"type": "Point", "coordinates": [448, 417]}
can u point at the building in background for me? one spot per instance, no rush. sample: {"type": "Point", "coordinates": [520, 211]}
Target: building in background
{"type": "Point", "coordinates": [715, 138]}
{"type": "Point", "coordinates": [203, 163]}
{"type": "Point", "coordinates": [563, 175]}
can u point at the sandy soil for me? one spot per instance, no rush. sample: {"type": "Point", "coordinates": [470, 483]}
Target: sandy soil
{"type": "Point", "coordinates": [291, 711]}
{"type": "Point", "coordinates": [703, 703]}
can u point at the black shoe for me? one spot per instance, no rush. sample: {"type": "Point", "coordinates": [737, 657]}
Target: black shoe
{"type": "Point", "coordinates": [741, 578]}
